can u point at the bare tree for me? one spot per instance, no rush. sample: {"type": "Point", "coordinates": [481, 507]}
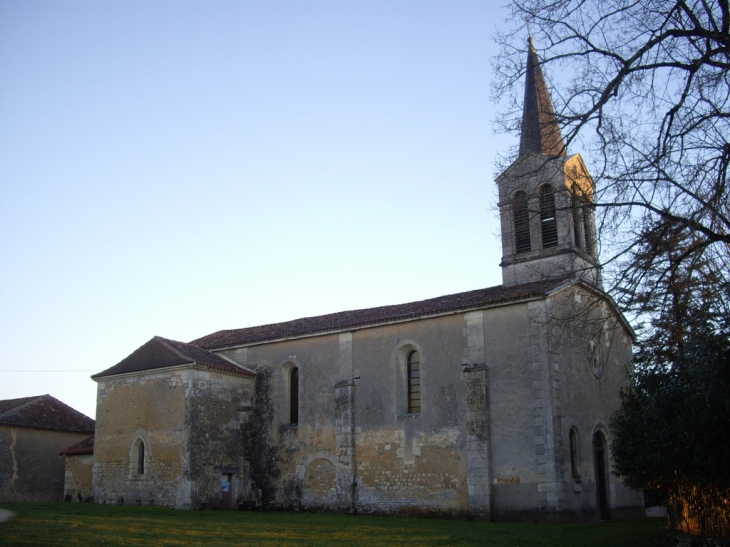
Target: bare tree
{"type": "Point", "coordinates": [642, 90]}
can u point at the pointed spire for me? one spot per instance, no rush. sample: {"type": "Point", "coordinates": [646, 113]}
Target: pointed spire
{"type": "Point", "coordinates": [540, 129]}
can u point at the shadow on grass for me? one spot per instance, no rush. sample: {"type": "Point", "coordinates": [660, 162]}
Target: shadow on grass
{"type": "Point", "coordinates": [67, 524]}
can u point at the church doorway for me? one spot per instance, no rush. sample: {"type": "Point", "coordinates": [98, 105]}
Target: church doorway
{"type": "Point", "coordinates": [227, 491]}
{"type": "Point", "coordinates": [600, 468]}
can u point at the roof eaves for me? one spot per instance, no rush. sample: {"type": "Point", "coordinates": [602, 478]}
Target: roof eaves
{"type": "Point", "coordinates": [244, 373]}
{"type": "Point", "coordinates": [366, 325]}
{"type": "Point", "coordinates": [84, 447]}
{"type": "Point", "coordinates": [41, 428]}
{"type": "Point", "coordinates": [132, 374]}
{"type": "Point", "coordinates": [192, 364]}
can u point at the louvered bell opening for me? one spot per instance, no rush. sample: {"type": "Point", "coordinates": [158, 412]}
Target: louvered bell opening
{"type": "Point", "coordinates": [587, 226]}
{"type": "Point", "coordinates": [577, 221]}
{"type": "Point", "coordinates": [522, 223]}
{"type": "Point", "coordinates": [549, 233]}
{"type": "Point", "coordinates": [548, 221]}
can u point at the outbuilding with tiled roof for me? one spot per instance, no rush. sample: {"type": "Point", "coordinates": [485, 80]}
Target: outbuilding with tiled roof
{"type": "Point", "coordinates": [33, 430]}
{"type": "Point", "coordinates": [79, 465]}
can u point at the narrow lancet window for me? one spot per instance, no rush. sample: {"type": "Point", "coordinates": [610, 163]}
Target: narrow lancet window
{"type": "Point", "coordinates": [548, 221]}
{"type": "Point", "coordinates": [574, 453]}
{"type": "Point", "coordinates": [414, 383]}
{"type": "Point", "coordinates": [577, 221]}
{"type": "Point", "coordinates": [140, 458]}
{"type": "Point", "coordinates": [600, 463]}
{"type": "Point", "coordinates": [522, 222]}
{"type": "Point", "coordinates": [294, 396]}
{"type": "Point", "coordinates": [587, 226]}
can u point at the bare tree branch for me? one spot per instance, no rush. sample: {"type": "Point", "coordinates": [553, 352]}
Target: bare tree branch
{"type": "Point", "coordinates": [643, 92]}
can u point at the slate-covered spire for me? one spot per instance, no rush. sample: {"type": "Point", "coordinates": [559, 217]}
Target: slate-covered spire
{"type": "Point", "coordinates": [540, 129]}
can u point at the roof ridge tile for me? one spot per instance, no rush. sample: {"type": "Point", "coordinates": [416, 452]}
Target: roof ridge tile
{"type": "Point", "coordinates": [167, 343]}
{"type": "Point", "coordinates": [29, 401]}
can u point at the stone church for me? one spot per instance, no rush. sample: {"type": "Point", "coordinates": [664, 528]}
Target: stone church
{"type": "Point", "coordinates": [491, 404]}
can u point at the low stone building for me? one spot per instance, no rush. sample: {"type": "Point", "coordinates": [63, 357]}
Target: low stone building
{"type": "Point", "coordinates": [169, 427]}
{"type": "Point", "coordinates": [79, 463]}
{"type": "Point", "coordinates": [33, 430]}
{"type": "Point", "coordinates": [492, 403]}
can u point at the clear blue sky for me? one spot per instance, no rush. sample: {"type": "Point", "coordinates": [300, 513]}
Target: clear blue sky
{"type": "Point", "coordinates": [176, 168]}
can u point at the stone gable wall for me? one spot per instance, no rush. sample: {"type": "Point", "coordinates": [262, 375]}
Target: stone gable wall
{"type": "Point", "coordinates": [586, 396]}
{"type": "Point", "coordinates": [192, 422]}
{"type": "Point", "coordinates": [150, 407]}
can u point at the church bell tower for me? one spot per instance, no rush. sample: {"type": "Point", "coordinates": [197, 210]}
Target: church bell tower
{"type": "Point", "coordinates": [545, 197]}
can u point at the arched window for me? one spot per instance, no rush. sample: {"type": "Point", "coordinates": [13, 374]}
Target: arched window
{"type": "Point", "coordinates": [294, 396]}
{"type": "Point", "coordinates": [548, 222]}
{"type": "Point", "coordinates": [138, 455]}
{"type": "Point", "coordinates": [522, 222]}
{"type": "Point", "coordinates": [414, 383]}
{"type": "Point", "coordinates": [574, 463]}
{"type": "Point", "coordinates": [140, 458]}
{"type": "Point", "coordinates": [600, 460]}
{"type": "Point", "coordinates": [587, 231]}
{"type": "Point", "coordinates": [576, 202]}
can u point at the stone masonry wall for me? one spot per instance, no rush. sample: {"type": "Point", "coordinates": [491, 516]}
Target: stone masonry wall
{"type": "Point", "coordinates": [218, 408]}
{"type": "Point", "coordinates": [191, 422]}
{"type": "Point", "coordinates": [586, 394]}
{"type": "Point", "coordinates": [355, 447]}
{"type": "Point", "coordinates": [528, 174]}
{"type": "Point", "coordinates": [475, 449]}
{"type": "Point", "coordinates": [150, 407]}
{"type": "Point", "coordinates": [498, 396]}
{"type": "Point", "coordinates": [78, 478]}
{"type": "Point", "coordinates": [30, 467]}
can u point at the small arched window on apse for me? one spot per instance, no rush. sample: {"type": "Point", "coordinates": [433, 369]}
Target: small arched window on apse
{"type": "Point", "coordinates": [548, 221]}
{"type": "Point", "coordinates": [294, 396]}
{"type": "Point", "coordinates": [139, 456]}
{"type": "Point", "coordinates": [522, 222]}
{"type": "Point", "coordinates": [414, 383]}
{"type": "Point", "coordinates": [574, 463]}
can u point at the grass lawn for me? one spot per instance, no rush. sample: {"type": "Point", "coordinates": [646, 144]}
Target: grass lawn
{"type": "Point", "coordinates": [69, 524]}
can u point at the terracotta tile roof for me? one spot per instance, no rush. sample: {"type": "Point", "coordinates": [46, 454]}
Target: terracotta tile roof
{"type": "Point", "coordinates": [161, 352]}
{"type": "Point", "coordinates": [383, 314]}
{"type": "Point", "coordinates": [44, 412]}
{"type": "Point", "coordinates": [84, 447]}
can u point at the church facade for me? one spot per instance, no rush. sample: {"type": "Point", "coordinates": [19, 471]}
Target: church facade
{"type": "Point", "coordinates": [492, 403]}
